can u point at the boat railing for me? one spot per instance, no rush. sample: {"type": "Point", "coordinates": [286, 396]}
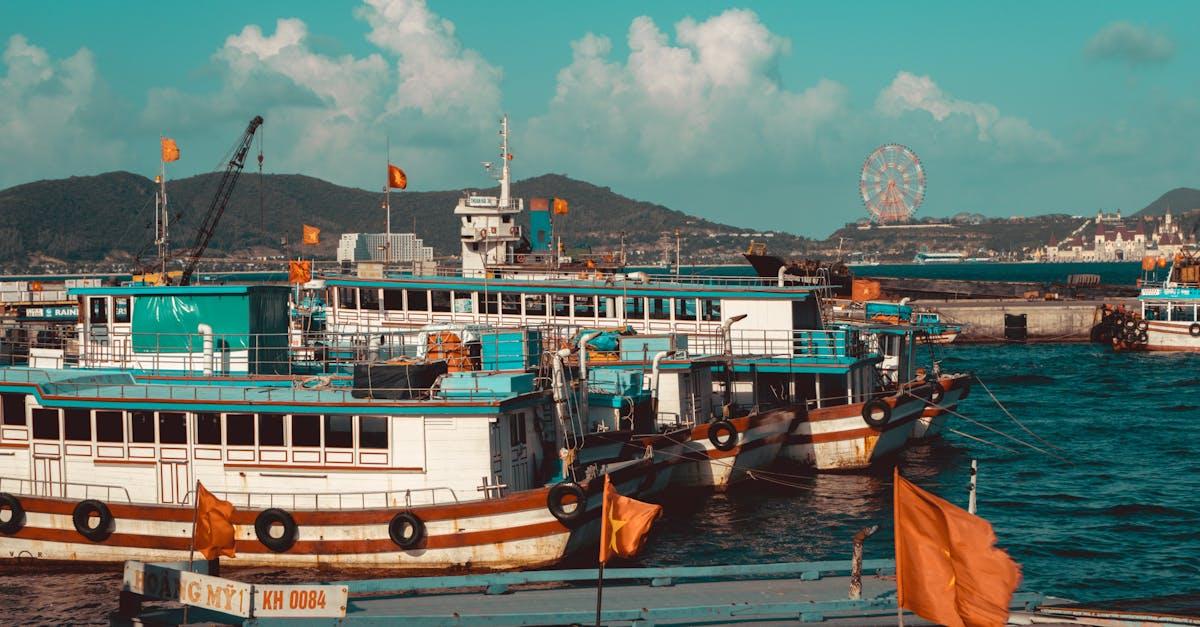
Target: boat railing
{"type": "Point", "coordinates": [808, 343]}
{"type": "Point", "coordinates": [377, 499]}
{"type": "Point", "coordinates": [597, 277]}
{"type": "Point", "coordinates": [63, 489]}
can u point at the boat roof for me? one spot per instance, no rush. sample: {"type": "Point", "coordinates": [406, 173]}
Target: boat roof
{"type": "Point", "coordinates": [119, 389]}
{"type": "Point", "coordinates": [173, 290]}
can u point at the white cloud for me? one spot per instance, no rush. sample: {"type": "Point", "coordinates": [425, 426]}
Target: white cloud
{"type": "Point", "coordinates": [49, 112]}
{"type": "Point", "coordinates": [711, 101]}
{"type": "Point", "coordinates": [1014, 136]}
{"type": "Point", "coordinates": [1130, 44]}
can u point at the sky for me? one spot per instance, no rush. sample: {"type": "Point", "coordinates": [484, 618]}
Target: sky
{"type": "Point", "coordinates": [759, 115]}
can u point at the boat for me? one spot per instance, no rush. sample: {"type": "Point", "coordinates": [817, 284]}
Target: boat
{"type": "Point", "coordinates": [938, 257]}
{"type": "Point", "coordinates": [416, 462]}
{"type": "Point", "coordinates": [836, 276]}
{"type": "Point", "coordinates": [1165, 318]}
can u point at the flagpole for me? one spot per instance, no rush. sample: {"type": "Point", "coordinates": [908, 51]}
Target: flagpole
{"type": "Point", "coordinates": [599, 591]}
{"type": "Point", "coordinates": [192, 540]}
{"type": "Point", "coordinates": [387, 201]}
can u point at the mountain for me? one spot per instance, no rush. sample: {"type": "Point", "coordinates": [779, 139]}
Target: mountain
{"type": "Point", "coordinates": [1179, 200]}
{"type": "Point", "coordinates": [110, 217]}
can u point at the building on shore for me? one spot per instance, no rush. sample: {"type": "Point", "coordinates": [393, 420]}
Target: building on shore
{"type": "Point", "coordinates": [404, 248]}
{"type": "Point", "coordinates": [1109, 237]}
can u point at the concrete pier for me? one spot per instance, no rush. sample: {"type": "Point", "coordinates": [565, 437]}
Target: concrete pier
{"type": "Point", "coordinates": [1044, 320]}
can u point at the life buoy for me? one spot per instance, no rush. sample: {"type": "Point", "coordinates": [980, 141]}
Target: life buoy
{"type": "Point", "coordinates": [876, 413]}
{"type": "Point", "coordinates": [406, 530]}
{"type": "Point", "coordinates": [1194, 330]}
{"type": "Point", "coordinates": [83, 516]}
{"type": "Point", "coordinates": [520, 258]}
{"type": "Point", "coordinates": [559, 506]}
{"type": "Point", "coordinates": [16, 514]}
{"type": "Point", "coordinates": [267, 519]}
{"type": "Point", "coordinates": [727, 441]}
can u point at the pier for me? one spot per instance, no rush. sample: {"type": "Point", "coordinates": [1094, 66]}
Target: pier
{"type": "Point", "coordinates": [1020, 320]}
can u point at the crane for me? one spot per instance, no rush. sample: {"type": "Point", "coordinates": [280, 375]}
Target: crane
{"type": "Point", "coordinates": [224, 190]}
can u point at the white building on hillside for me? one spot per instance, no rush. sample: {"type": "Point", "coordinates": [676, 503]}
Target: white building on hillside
{"type": "Point", "coordinates": [1109, 237]}
{"type": "Point", "coordinates": [405, 248]}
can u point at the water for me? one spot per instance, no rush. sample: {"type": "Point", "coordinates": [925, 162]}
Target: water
{"type": "Point", "coordinates": [1118, 520]}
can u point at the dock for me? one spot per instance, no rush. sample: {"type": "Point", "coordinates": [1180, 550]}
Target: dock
{"type": "Point", "coordinates": [813, 592]}
{"type": "Point", "coordinates": [1020, 320]}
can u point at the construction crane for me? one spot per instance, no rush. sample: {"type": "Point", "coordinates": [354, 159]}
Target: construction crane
{"type": "Point", "coordinates": [232, 171]}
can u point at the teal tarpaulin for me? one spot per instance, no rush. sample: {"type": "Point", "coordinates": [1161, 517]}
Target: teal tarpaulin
{"type": "Point", "coordinates": [167, 324]}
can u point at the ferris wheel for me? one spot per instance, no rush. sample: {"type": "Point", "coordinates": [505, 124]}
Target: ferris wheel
{"type": "Point", "coordinates": [892, 183]}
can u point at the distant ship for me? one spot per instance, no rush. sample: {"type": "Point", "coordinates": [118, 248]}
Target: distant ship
{"type": "Point", "coordinates": [930, 257]}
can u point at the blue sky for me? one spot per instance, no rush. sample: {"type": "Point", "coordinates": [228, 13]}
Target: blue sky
{"type": "Point", "coordinates": [759, 115]}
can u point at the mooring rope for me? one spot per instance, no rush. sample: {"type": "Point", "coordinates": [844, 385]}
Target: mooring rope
{"type": "Point", "coordinates": [999, 432]}
{"type": "Point", "coordinates": [1014, 418]}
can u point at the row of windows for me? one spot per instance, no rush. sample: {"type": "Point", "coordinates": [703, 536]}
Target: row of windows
{"type": "Point", "coordinates": [1177, 312]}
{"type": "Point", "coordinates": [98, 309]}
{"type": "Point", "coordinates": [143, 427]}
{"type": "Point", "coordinates": [557, 305]}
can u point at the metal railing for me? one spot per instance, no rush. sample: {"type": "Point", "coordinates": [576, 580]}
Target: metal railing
{"type": "Point", "coordinates": [379, 499]}
{"type": "Point", "coordinates": [807, 343]}
{"type": "Point", "coordinates": [62, 489]}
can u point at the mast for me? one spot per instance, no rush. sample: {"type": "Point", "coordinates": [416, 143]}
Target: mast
{"type": "Point", "coordinates": [161, 216]}
{"type": "Point", "coordinates": [387, 205]}
{"type": "Point", "coordinates": [504, 159]}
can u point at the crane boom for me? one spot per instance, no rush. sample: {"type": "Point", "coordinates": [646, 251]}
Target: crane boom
{"type": "Point", "coordinates": [220, 199]}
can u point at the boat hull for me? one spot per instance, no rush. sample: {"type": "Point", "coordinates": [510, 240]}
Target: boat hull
{"type": "Point", "coordinates": [1166, 337]}
{"type": "Point", "coordinates": [760, 437]}
{"type": "Point", "coordinates": [838, 438]}
{"type": "Point", "coordinates": [933, 419]}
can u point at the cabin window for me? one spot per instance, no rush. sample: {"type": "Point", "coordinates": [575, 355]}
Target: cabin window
{"type": "Point", "coordinates": [489, 303]}
{"type": "Point", "coordinates": [418, 300]}
{"type": "Point", "coordinates": [141, 427]}
{"type": "Point", "coordinates": [635, 307]}
{"type": "Point", "coordinates": [45, 424]}
{"type": "Point", "coordinates": [393, 300]}
{"type": "Point", "coordinates": [338, 432]}
{"type": "Point", "coordinates": [172, 427]}
{"type": "Point", "coordinates": [1183, 313]}
{"type": "Point", "coordinates": [516, 429]}
{"type": "Point", "coordinates": [604, 306]}
{"type": "Point", "coordinates": [306, 430]}
{"type": "Point", "coordinates": [439, 300]}
{"type": "Point", "coordinates": [510, 304]}
{"type": "Point", "coordinates": [110, 426]}
{"type": "Point", "coordinates": [463, 302]}
{"type": "Point", "coordinates": [12, 406]}
{"type": "Point", "coordinates": [98, 310]}
{"type": "Point", "coordinates": [1156, 312]}
{"type": "Point", "coordinates": [585, 306]}
{"type": "Point", "coordinates": [346, 298]}
{"type": "Point", "coordinates": [535, 304]}
{"type": "Point", "coordinates": [710, 310]}
{"type": "Point", "coordinates": [270, 430]}
{"type": "Point", "coordinates": [368, 299]}
{"type": "Point", "coordinates": [660, 309]}
{"type": "Point", "coordinates": [239, 430]}
{"type": "Point", "coordinates": [561, 304]}
{"type": "Point", "coordinates": [372, 432]}
{"type": "Point", "coordinates": [208, 428]}
{"type": "Point", "coordinates": [685, 309]}
{"type": "Point", "coordinates": [120, 310]}
{"type": "Point", "coordinates": [77, 425]}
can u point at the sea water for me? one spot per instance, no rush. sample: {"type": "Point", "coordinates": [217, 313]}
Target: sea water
{"type": "Point", "coordinates": [1111, 509]}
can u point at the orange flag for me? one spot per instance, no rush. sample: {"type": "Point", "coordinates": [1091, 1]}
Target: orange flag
{"type": "Point", "coordinates": [213, 535]}
{"type": "Point", "coordinates": [170, 150]}
{"type": "Point", "coordinates": [312, 235]}
{"type": "Point", "coordinates": [624, 523]}
{"type": "Point", "coordinates": [948, 569]}
{"type": "Point", "coordinates": [560, 207]}
{"type": "Point", "coordinates": [299, 271]}
{"type": "Point", "coordinates": [397, 179]}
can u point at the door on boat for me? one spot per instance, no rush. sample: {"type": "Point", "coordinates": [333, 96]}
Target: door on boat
{"type": "Point", "coordinates": [520, 460]}
{"type": "Point", "coordinates": [47, 471]}
{"type": "Point", "coordinates": [174, 480]}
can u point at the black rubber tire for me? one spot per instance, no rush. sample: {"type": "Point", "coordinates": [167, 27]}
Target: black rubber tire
{"type": "Point", "coordinates": [876, 406]}
{"type": "Point", "coordinates": [268, 518]}
{"type": "Point", "coordinates": [723, 426]}
{"type": "Point", "coordinates": [937, 393]}
{"type": "Point", "coordinates": [1194, 330]}
{"type": "Point", "coordinates": [17, 520]}
{"type": "Point", "coordinates": [1143, 337]}
{"type": "Point", "coordinates": [1130, 323]}
{"type": "Point", "coordinates": [555, 502]}
{"type": "Point", "coordinates": [401, 522]}
{"type": "Point", "coordinates": [1142, 325]}
{"type": "Point", "coordinates": [82, 518]}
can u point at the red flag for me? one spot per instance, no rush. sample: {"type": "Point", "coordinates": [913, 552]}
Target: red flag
{"type": "Point", "coordinates": [397, 179]}
{"type": "Point", "coordinates": [214, 534]}
{"type": "Point", "coordinates": [299, 271]}
{"type": "Point", "coordinates": [312, 235]}
{"type": "Point", "coordinates": [948, 569]}
{"type": "Point", "coordinates": [170, 150]}
{"type": "Point", "coordinates": [624, 523]}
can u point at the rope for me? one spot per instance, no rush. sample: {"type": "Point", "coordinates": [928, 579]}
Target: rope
{"type": "Point", "coordinates": [978, 439]}
{"type": "Point", "coordinates": [999, 432]}
{"type": "Point", "coordinates": [1014, 418]}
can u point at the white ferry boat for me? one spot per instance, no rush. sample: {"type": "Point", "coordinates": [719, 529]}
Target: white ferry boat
{"type": "Point", "coordinates": [935, 257]}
